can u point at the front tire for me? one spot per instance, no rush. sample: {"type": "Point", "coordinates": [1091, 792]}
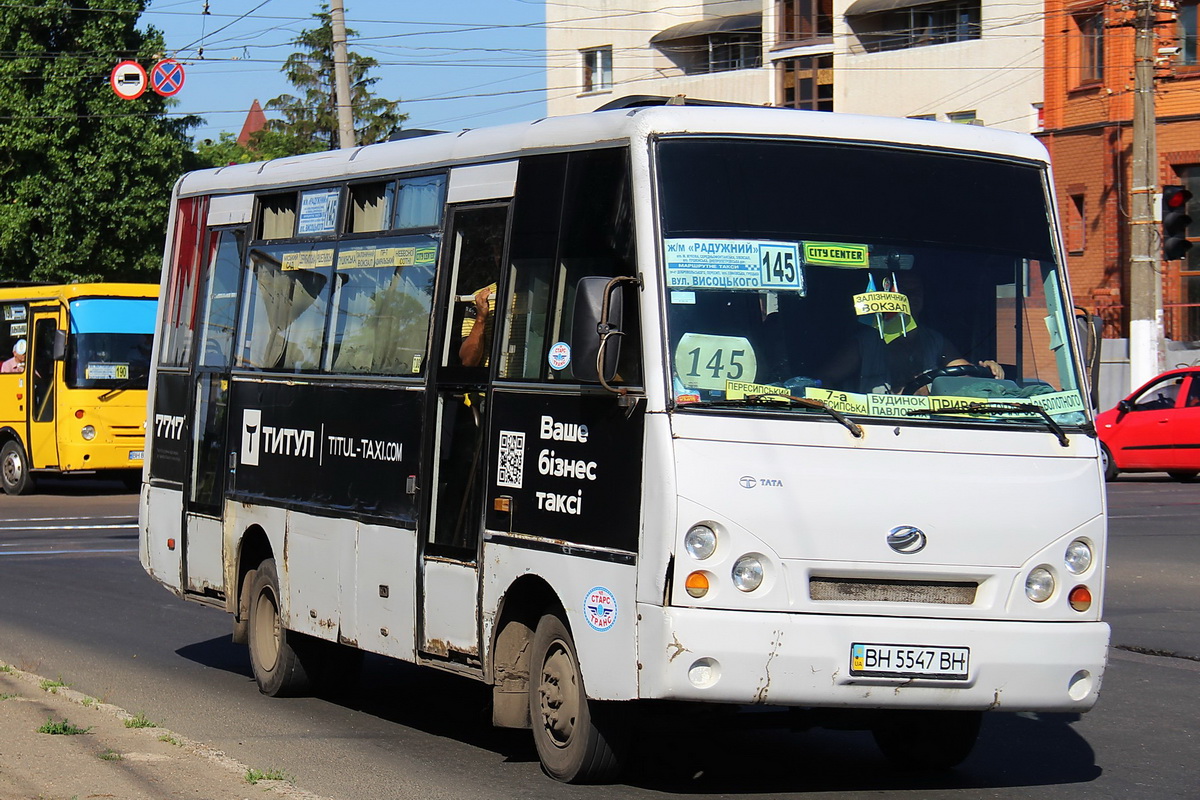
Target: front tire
{"type": "Point", "coordinates": [1106, 461]}
{"type": "Point", "coordinates": [572, 747]}
{"type": "Point", "coordinates": [276, 665]}
{"type": "Point", "coordinates": [927, 740]}
{"type": "Point", "coordinates": [14, 469]}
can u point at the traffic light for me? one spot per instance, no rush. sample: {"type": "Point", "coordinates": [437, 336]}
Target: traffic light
{"type": "Point", "coordinates": [1175, 221]}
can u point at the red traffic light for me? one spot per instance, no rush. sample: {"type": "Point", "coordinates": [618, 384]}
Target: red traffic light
{"type": "Point", "coordinates": [1175, 222]}
{"type": "Point", "coordinates": [1175, 196]}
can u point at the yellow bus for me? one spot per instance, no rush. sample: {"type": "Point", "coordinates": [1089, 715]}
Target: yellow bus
{"type": "Point", "coordinates": [75, 360]}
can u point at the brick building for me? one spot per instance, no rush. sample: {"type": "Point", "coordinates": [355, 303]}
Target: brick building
{"type": "Point", "coordinates": [1089, 73]}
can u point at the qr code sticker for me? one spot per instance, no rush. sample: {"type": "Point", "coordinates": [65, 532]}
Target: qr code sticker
{"type": "Point", "coordinates": [511, 469]}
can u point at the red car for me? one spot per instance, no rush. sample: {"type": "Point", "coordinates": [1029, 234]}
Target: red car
{"type": "Point", "coordinates": [1155, 429]}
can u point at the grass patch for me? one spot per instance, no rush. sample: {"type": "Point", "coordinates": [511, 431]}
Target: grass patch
{"type": "Point", "coordinates": [255, 775]}
{"type": "Point", "coordinates": [110, 755]}
{"type": "Point", "coordinates": [7, 696]}
{"type": "Point", "coordinates": [139, 721]}
{"type": "Point", "coordinates": [88, 702]}
{"type": "Point", "coordinates": [52, 686]}
{"type": "Point", "coordinates": [64, 728]}
{"type": "Point", "coordinates": [169, 739]}
{"type": "Point", "coordinates": [6, 668]}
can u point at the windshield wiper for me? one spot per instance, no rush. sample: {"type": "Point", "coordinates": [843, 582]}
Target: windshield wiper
{"type": "Point", "coordinates": [120, 387]}
{"type": "Point", "coordinates": [987, 408]}
{"type": "Point", "coordinates": [784, 399]}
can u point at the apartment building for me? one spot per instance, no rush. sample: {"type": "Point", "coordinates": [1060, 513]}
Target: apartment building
{"type": "Point", "coordinates": [1089, 132]}
{"type": "Point", "coordinates": [975, 61]}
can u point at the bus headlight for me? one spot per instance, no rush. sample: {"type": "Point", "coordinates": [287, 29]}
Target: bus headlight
{"type": "Point", "coordinates": [747, 573]}
{"type": "Point", "coordinates": [700, 542]}
{"type": "Point", "coordinates": [1039, 585]}
{"type": "Point", "coordinates": [88, 433]}
{"type": "Point", "coordinates": [1078, 557]}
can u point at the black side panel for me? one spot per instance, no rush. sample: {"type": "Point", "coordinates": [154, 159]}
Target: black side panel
{"type": "Point", "coordinates": [325, 447]}
{"type": "Point", "coordinates": [170, 427]}
{"type": "Point", "coordinates": [572, 466]}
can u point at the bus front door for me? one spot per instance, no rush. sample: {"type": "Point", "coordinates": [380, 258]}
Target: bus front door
{"type": "Point", "coordinates": [41, 376]}
{"type": "Point", "coordinates": [454, 452]}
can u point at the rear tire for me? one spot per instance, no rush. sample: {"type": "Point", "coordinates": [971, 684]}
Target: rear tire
{"type": "Point", "coordinates": [573, 744]}
{"type": "Point", "coordinates": [1183, 474]}
{"type": "Point", "coordinates": [276, 665]}
{"type": "Point", "coordinates": [927, 740]}
{"type": "Point", "coordinates": [14, 469]}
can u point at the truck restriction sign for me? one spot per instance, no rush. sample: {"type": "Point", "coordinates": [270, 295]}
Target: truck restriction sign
{"type": "Point", "coordinates": [166, 77]}
{"type": "Point", "coordinates": [128, 80]}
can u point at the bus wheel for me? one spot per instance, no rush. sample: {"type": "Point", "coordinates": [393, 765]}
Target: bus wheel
{"type": "Point", "coordinates": [277, 668]}
{"type": "Point", "coordinates": [14, 469]}
{"type": "Point", "coordinates": [927, 739]}
{"type": "Point", "coordinates": [571, 745]}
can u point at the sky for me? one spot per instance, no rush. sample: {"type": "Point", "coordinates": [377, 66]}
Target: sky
{"type": "Point", "coordinates": [452, 64]}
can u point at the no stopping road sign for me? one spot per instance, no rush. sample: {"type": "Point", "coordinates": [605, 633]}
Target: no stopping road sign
{"type": "Point", "coordinates": [166, 77]}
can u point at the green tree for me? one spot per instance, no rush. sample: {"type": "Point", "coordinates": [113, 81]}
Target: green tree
{"type": "Point", "coordinates": [309, 123]}
{"type": "Point", "coordinates": [85, 177]}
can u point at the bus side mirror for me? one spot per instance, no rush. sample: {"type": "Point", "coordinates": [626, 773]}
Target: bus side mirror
{"type": "Point", "coordinates": [1089, 328]}
{"type": "Point", "coordinates": [596, 328]}
{"type": "Point", "coordinates": [60, 346]}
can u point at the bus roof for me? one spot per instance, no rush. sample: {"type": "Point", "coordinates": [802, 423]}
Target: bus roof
{"type": "Point", "coordinates": [617, 126]}
{"type": "Point", "coordinates": [70, 291]}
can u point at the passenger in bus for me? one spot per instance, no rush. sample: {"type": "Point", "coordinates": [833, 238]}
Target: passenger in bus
{"type": "Point", "coordinates": [17, 362]}
{"type": "Point", "coordinates": [476, 331]}
{"type": "Point", "coordinates": [885, 356]}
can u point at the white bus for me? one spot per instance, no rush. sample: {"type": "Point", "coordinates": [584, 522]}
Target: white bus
{"type": "Point", "coordinates": [707, 405]}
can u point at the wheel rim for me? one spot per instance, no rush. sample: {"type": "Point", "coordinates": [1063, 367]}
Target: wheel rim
{"type": "Point", "coordinates": [558, 694]}
{"type": "Point", "coordinates": [266, 630]}
{"type": "Point", "coordinates": [12, 469]}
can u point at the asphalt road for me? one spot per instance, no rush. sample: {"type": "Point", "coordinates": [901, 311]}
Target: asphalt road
{"type": "Point", "coordinates": [78, 608]}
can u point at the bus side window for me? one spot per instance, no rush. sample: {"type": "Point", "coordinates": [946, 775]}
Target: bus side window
{"type": "Point", "coordinates": [573, 218]}
{"type": "Point", "coordinates": [14, 343]}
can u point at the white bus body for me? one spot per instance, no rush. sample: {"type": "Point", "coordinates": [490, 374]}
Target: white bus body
{"type": "Point", "coordinates": [325, 457]}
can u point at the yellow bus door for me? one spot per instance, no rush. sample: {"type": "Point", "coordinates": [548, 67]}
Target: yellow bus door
{"type": "Point", "coordinates": [41, 378]}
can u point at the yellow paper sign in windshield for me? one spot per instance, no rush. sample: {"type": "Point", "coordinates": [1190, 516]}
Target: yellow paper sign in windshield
{"type": "Point", "coordinates": [881, 303]}
{"type": "Point", "coordinates": [837, 255]}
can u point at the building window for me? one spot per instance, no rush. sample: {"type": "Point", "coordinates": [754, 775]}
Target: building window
{"type": "Point", "coordinates": [1090, 51]}
{"type": "Point", "coordinates": [1189, 273]}
{"type": "Point", "coordinates": [964, 118]}
{"type": "Point", "coordinates": [880, 28]}
{"type": "Point", "coordinates": [804, 21]}
{"type": "Point", "coordinates": [597, 69]}
{"type": "Point", "coordinates": [1186, 32]}
{"type": "Point", "coordinates": [719, 51]}
{"type": "Point", "coordinates": [806, 83]}
{"type": "Point", "coordinates": [1076, 225]}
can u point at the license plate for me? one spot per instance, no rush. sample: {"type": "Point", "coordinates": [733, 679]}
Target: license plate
{"type": "Point", "coordinates": [136, 455]}
{"type": "Point", "coordinates": [909, 661]}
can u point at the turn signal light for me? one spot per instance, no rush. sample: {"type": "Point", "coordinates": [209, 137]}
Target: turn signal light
{"type": "Point", "coordinates": [171, 543]}
{"type": "Point", "coordinates": [1080, 598]}
{"type": "Point", "coordinates": [697, 584]}
{"type": "Point", "coordinates": [79, 413]}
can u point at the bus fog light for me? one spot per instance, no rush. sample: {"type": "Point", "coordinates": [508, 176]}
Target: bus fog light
{"type": "Point", "coordinates": [704, 672]}
{"type": "Point", "coordinates": [700, 542]}
{"type": "Point", "coordinates": [1080, 598]}
{"type": "Point", "coordinates": [696, 584]}
{"type": "Point", "coordinates": [1080, 685]}
{"type": "Point", "coordinates": [88, 433]}
{"type": "Point", "coordinates": [1039, 585]}
{"type": "Point", "coordinates": [747, 573]}
{"type": "Point", "coordinates": [1078, 557]}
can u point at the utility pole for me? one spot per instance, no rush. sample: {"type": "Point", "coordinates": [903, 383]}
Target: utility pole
{"type": "Point", "coordinates": [341, 76]}
{"type": "Point", "coordinates": [1145, 269]}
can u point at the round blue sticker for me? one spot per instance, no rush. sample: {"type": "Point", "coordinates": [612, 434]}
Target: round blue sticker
{"type": "Point", "coordinates": [600, 608]}
{"type": "Point", "coordinates": [560, 355]}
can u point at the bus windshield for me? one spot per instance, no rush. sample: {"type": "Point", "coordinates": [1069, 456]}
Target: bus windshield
{"type": "Point", "coordinates": [110, 342]}
{"type": "Point", "coordinates": [881, 281]}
